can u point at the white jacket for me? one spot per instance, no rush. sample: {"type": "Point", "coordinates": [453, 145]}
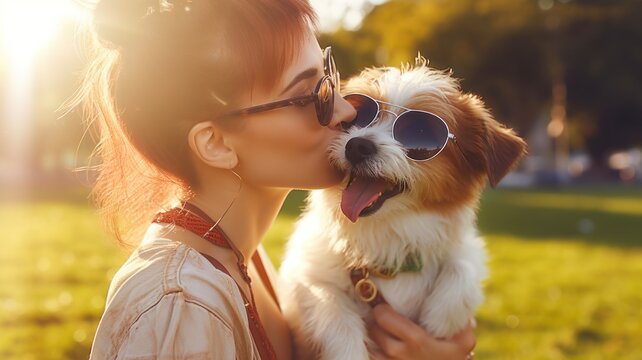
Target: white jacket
{"type": "Point", "coordinates": [168, 302]}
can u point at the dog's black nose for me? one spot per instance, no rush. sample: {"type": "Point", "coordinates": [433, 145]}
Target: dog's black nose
{"type": "Point", "coordinates": [359, 149]}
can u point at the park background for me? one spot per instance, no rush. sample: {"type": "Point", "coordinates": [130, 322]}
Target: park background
{"type": "Point", "coordinates": [564, 230]}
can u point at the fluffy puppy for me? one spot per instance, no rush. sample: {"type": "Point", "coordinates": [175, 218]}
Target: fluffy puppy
{"type": "Point", "coordinates": [406, 229]}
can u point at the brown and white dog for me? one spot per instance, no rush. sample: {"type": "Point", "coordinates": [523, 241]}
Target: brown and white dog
{"type": "Point", "coordinates": [416, 242]}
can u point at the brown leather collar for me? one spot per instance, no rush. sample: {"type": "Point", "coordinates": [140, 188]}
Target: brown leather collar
{"type": "Point", "coordinates": [365, 288]}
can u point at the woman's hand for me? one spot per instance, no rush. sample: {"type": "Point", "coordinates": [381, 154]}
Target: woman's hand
{"type": "Point", "coordinates": [400, 338]}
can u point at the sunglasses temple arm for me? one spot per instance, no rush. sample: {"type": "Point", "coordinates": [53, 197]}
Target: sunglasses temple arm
{"type": "Point", "coordinates": [463, 154]}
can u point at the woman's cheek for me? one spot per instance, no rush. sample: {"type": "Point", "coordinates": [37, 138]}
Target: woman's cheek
{"type": "Point", "coordinates": [289, 158]}
{"type": "Point", "coordinates": [295, 133]}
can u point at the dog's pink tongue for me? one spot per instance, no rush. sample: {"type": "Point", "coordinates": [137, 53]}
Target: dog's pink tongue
{"type": "Point", "coordinates": [360, 193]}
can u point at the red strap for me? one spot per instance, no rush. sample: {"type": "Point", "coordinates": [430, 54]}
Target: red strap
{"type": "Point", "coordinates": [195, 220]}
{"type": "Point", "coordinates": [194, 223]}
{"type": "Point", "coordinates": [256, 327]}
{"type": "Point", "coordinates": [260, 268]}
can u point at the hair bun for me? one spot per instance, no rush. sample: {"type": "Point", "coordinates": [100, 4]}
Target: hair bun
{"type": "Point", "coordinates": [117, 21]}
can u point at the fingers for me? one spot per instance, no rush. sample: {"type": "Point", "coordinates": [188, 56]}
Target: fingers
{"type": "Point", "coordinates": [377, 355]}
{"type": "Point", "coordinates": [465, 339]}
{"type": "Point", "coordinates": [398, 325]}
{"type": "Point", "coordinates": [461, 344]}
{"type": "Point", "coordinates": [388, 344]}
{"type": "Point", "coordinates": [398, 336]}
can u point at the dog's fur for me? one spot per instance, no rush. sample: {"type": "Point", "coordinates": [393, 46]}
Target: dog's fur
{"type": "Point", "coordinates": [435, 215]}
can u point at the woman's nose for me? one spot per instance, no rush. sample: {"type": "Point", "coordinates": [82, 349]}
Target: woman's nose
{"type": "Point", "coordinates": [343, 112]}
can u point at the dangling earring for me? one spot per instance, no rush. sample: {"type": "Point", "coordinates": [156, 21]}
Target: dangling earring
{"type": "Point", "coordinates": [238, 191]}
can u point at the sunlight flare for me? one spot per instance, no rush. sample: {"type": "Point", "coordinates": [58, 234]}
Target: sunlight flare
{"type": "Point", "coordinates": [26, 27]}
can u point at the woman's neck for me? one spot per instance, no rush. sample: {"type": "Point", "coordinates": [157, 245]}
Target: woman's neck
{"type": "Point", "coordinates": [252, 212]}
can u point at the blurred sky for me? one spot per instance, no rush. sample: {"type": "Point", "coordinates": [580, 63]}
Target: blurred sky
{"type": "Point", "coordinates": [349, 13]}
{"type": "Point", "coordinates": [27, 27]}
{"type": "Point", "coordinates": [42, 16]}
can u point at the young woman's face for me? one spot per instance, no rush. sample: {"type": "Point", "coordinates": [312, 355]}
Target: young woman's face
{"type": "Point", "coordinates": [287, 147]}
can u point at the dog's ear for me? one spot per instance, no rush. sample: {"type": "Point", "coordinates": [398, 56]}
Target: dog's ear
{"type": "Point", "coordinates": [501, 149]}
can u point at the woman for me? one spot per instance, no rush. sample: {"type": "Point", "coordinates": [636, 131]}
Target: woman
{"type": "Point", "coordinates": [173, 91]}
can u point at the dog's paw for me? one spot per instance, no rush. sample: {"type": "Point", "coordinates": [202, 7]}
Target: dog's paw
{"type": "Point", "coordinates": [445, 326]}
{"type": "Point", "coordinates": [456, 296]}
{"type": "Point", "coordinates": [356, 351]}
{"type": "Point", "coordinates": [446, 319]}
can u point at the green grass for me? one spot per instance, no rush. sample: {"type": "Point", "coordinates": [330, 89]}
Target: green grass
{"type": "Point", "coordinates": [565, 274]}
{"type": "Point", "coordinates": [55, 265]}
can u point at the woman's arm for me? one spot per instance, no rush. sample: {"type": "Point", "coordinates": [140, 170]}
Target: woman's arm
{"type": "Point", "coordinates": [400, 338]}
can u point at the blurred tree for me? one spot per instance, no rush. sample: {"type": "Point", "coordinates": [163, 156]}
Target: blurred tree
{"type": "Point", "coordinates": [513, 53]}
{"type": "Point", "coordinates": [603, 52]}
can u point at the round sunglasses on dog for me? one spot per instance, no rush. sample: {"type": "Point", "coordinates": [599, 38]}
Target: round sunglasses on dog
{"type": "Point", "coordinates": [322, 96]}
{"type": "Point", "coordinates": [422, 134]}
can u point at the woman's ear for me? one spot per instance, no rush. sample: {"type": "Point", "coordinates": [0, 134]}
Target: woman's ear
{"type": "Point", "coordinates": [209, 145]}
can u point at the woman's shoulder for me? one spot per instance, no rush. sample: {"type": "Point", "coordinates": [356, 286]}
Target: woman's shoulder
{"type": "Point", "coordinates": [164, 278]}
{"type": "Point", "coordinates": [161, 266]}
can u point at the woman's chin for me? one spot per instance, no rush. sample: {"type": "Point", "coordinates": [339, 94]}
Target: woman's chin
{"type": "Point", "coordinates": [331, 178]}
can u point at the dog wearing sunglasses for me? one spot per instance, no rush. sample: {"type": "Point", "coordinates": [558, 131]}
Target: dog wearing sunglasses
{"type": "Point", "coordinates": [401, 228]}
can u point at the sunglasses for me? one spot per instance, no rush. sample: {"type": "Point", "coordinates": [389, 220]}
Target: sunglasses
{"type": "Point", "coordinates": [322, 96]}
{"type": "Point", "coordinates": [422, 134]}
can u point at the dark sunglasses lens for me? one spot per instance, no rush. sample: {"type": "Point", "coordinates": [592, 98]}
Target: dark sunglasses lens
{"type": "Point", "coordinates": [422, 134]}
{"type": "Point", "coordinates": [325, 103]}
{"type": "Point", "coordinates": [366, 109]}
